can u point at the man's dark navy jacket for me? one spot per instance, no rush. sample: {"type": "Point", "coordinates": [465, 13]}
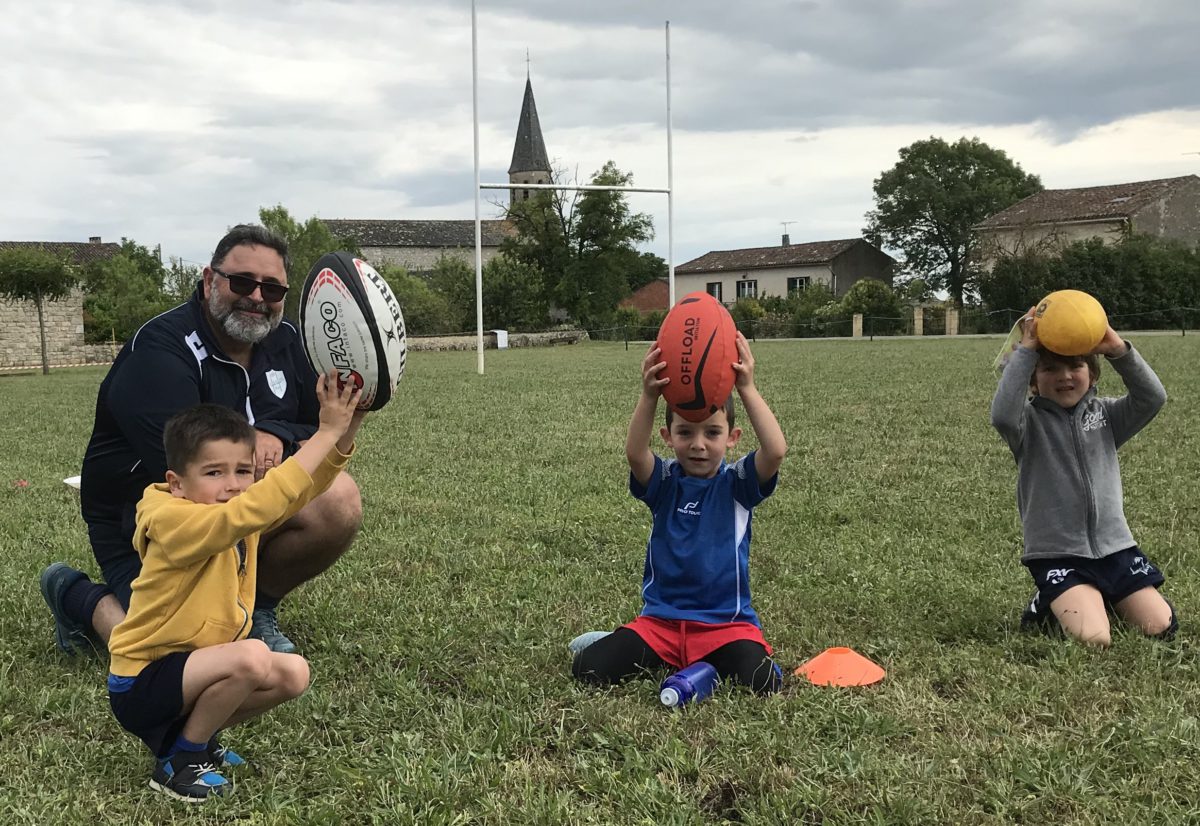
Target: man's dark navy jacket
{"type": "Point", "coordinates": [174, 362]}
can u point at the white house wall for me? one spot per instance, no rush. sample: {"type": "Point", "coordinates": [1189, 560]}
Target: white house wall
{"type": "Point", "coordinates": [771, 281]}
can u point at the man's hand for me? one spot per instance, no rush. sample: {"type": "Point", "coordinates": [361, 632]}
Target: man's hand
{"type": "Point", "coordinates": [268, 452]}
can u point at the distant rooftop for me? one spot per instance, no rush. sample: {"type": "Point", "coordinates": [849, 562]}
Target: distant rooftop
{"type": "Point", "coordinates": [792, 255]}
{"type": "Point", "coordinates": [383, 233]}
{"type": "Point", "coordinates": [1058, 206]}
{"type": "Point", "coordinates": [77, 252]}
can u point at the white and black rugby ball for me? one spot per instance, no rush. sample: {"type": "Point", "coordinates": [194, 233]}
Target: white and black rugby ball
{"type": "Point", "coordinates": [351, 322]}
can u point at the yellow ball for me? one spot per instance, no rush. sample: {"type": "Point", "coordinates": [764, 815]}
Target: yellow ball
{"type": "Point", "coordinates": [1070, 322]}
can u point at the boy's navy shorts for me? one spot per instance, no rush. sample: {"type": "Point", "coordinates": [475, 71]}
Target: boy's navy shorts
{"type": "Point", "coordinates": [152, 709]}
{"type": "Point", "coordinates": [1115, 576]}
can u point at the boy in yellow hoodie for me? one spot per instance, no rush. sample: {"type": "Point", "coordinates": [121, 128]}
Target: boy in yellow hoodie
{"type": "Point", "coordinates": [182, 668]}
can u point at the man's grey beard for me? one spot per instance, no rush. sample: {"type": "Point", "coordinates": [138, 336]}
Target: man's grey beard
{"type": "Point", "coordinates": [244, 328]}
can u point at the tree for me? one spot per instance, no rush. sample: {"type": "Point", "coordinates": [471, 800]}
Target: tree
{"type": "Point", "coordinates": [454, 279]}
{"type": "Point", "coordinates": [584, 247]}
{"type": "Point", "coordinates": [512, 296]}
{"type": "Point", "coordinates": [927, 205]}
{"type": "Point", "coordinates": [123, 292]}
{"type": "Point", "coordinates": [426, 311]}
{"type": "Point", "coordinates": [179, 280]}
{"type": "Point", "coordinates": [34, 274]}
{"type": "Point", "coordinates": [878, 304]}
{"type": "Point", "coordinates": [1142, 281]}
{"type": "Point", "coordinates": [306, 242]}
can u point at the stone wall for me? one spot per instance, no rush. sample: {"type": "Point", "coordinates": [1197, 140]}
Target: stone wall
{"type": "Point", "coordinates": [424, 259]}
{"type": "Point", "coordinates": [20, 342]}
{"type": "Point", "coordinates": [489, 340]}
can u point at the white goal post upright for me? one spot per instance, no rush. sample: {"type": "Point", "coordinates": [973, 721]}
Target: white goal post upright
{"type": "Point", "coordinates": [479, 187]}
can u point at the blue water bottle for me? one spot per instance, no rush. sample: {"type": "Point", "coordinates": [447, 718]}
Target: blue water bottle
{"type": "Point", "coordinates": [690, 684]}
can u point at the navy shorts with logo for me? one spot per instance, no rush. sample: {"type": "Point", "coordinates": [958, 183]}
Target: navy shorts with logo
{"type": "Point", "coordinates": [1115, 576]}
{"type": "Point", "coordinates": [152, 709]}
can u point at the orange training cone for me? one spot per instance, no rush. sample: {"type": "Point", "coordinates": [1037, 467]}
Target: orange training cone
{"type": "Point", "coordinates": [840, 666]}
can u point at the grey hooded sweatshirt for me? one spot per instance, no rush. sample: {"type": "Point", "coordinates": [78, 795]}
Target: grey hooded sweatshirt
{"type": "Point", "coordinates": [1068, 480]}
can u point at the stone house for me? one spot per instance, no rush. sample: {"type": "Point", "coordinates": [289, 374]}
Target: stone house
{"type": "Point", "coordinates": [419, 245]}
{"type": "Point", "coordinates": [728, 275]}
{"type": "Point", "coordinates": [1050, 220]}
{"type": "Point", "coordinates": [20, 342]}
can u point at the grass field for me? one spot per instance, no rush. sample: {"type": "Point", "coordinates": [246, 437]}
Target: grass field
{"type": "Point", "coordinates": [498, 526]}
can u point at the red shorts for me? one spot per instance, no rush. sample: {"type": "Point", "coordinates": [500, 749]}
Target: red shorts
{"type": "Point", "coordinates": [682, 642]}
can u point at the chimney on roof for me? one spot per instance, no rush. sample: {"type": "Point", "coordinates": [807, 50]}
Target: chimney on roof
{"type": "Point", "coordinates": [95, 239]}
{"type": "Point", "coordinates": [787, 242]}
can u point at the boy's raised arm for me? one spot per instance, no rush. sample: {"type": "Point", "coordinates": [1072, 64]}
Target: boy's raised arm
{"type": "Point", "coordinates": [339, 422]}
{"type": "Point", "coordinates": [637, 442]}
{"type": "Point", "coordinates": [1008, 405]}
{"type": "Point", "coordinates": [772, 446]}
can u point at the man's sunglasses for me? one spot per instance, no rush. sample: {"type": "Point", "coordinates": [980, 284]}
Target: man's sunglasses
{"type": "Point", "coordinates": [270, 291]}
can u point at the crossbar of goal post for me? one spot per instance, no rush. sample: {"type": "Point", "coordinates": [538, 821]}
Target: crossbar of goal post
{"type": "Point", "coordinates": [479, 187]}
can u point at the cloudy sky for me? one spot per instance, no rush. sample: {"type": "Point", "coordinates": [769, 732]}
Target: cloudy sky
{"type": "Point", "coordinates": [168, 121]}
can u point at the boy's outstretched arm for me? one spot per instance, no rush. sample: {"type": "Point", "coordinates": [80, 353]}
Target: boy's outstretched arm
{"type": "Point", "coordinates": [637, 443]}
{"type": "Point", "coordinates": [339, 422]}
{"type": "Point", "coordinates": [772, 447]}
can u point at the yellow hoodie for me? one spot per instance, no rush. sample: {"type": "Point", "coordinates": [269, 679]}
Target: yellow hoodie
{"type": "Point", "coordinates": [199, 564]}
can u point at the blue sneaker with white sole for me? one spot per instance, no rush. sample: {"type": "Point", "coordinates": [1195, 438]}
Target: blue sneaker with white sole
{"type": "Point", "coordinates": [190, 776]}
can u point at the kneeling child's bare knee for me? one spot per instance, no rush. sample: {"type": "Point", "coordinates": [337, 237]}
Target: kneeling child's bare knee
{"type": "Point", "coordinates": [295, 675]}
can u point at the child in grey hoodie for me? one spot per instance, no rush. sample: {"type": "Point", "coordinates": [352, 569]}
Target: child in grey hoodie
{"type": "Point", "coordinates": [1064, 438]}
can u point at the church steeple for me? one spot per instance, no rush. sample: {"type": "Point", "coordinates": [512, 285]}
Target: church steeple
{"type": "Point", "coordinates": [530, 164]}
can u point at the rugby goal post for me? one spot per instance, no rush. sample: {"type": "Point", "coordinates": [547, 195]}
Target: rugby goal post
{"type": "Point", "coordinates": [479, 187]}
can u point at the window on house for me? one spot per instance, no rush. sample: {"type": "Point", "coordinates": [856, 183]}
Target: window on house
{"type": "Point", "coordinates": [747, 288]}
{"type": "Point", "coordinates": [797, 284]}
{"type": "Point", "coordinates": [713, 288]}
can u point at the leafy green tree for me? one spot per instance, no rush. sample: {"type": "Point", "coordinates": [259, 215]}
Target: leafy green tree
{"type": "Point", "coordinates": [878, 304]}
{"type": "Point", "coordinates": [36, 275]}
{"type": "Point", "coordinates": [426, 311]}
{"type": "Point", "coordinates": [123, 292]}
{"type": "Point", "coordinates": [1142, 281]}
{"type": "Point", "coordinates": [584, 247]}
{"type": "Point", "coordinates": [307, 242]}
{"type": "Point", "coordinates": [179, 280]}
{"type": "Point", "coordinates": [1015, 283]}
{"type": "Point", "coordinates": [512, 295]}
{"type": "Point", "coordinates": [927, 205]}
{"type": "Point", "coordinates": [454, 279]}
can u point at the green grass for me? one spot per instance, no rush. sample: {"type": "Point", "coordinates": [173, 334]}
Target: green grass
{"type": "Point", "coordinates": [498, 526]}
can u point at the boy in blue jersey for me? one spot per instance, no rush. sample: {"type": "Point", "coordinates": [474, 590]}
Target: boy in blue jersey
{"type": "Point", "coordinates": [696, 585]}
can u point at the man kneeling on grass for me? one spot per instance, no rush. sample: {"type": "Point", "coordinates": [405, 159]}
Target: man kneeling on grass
{"type": "Point", "coordinates": [182, 668]}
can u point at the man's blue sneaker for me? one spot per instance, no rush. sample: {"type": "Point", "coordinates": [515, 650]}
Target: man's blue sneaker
{"type": "Point", "coordinates": [265, 626]}
{"type": "Point", "coordinates": [190, 777]}
{"type": "Point", "coordinates": [223, 756]}
{"type": "Point", "coordinates": [70, 635]}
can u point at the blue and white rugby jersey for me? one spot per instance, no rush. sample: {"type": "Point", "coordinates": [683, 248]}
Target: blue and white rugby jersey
{"type": "Point", "coordinates": [698, 556]}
